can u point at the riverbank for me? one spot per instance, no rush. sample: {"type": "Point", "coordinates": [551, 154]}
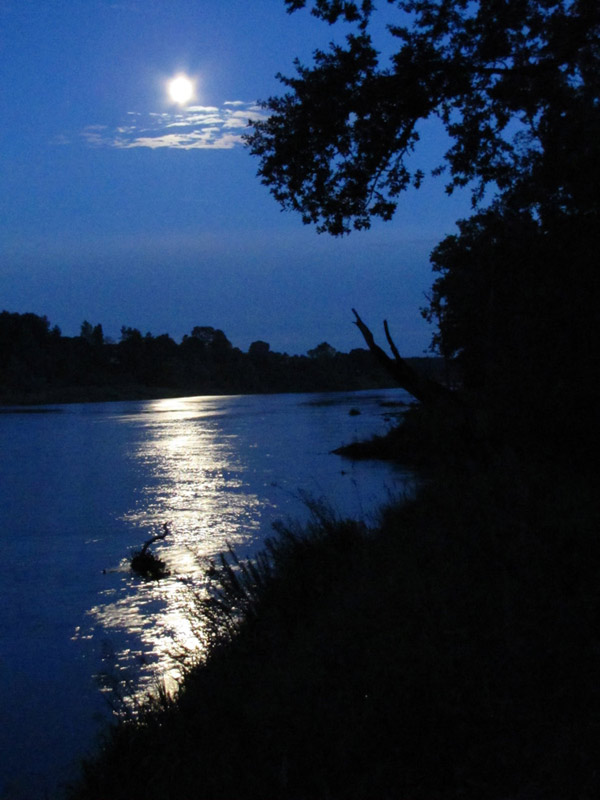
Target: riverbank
{"type": "Point", "coordinates": [85, 394]}
{"type": "Point", "coordinates": [451, 651]}
{"type": "Point", "coordinates": [66, 395]}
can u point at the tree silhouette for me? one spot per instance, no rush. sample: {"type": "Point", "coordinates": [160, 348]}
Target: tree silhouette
{"type": "Point", "coordinates": [511, 82]}
{"type": "Point", "coordinates": [517, 87]}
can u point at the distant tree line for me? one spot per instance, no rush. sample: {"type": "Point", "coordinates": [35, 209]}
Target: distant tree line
{"type": "Point", "coordinates": [38, 363]}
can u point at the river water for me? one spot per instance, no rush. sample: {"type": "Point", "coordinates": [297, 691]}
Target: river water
{"type": "Point", "coordinates": [83, 485]}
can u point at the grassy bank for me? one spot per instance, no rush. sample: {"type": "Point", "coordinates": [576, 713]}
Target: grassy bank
{"type": "Point", "coordinates": [453, 651]}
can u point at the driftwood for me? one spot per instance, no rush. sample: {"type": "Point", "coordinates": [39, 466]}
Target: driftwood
{"type": "Point", "coordinates": [156, 538]}
{"type": "Point", "coordinates": [144, 562]}
{"type": "Point", "coordinates": [421, 388]}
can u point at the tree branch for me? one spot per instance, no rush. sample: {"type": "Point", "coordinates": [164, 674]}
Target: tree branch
{"type": "Point", "coordinates": [391, 342]}
{"type": "Point", "coordinates": [156, 538]}
{"type": "Point", "coordinates": [421, 388]}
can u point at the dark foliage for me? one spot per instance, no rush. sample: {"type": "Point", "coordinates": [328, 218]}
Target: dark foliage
{"type": "Point", "coordinates": [515, 302]}
{"type": "Point", "coordinates": [517, 87]}
{"type": "Point", "coordinates": [509, 81]}
{"type": "Point", "coordinates": [37, 364]}
{"type": "Point", "coordinates": [148, 565]}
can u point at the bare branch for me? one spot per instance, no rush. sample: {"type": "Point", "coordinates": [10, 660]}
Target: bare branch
{"type": "Point", "coordinates": [156, 538]}
{"type": "Point", "coordinates": [421, 388]}
{"type": "Point", "coordinates": [391, 342]}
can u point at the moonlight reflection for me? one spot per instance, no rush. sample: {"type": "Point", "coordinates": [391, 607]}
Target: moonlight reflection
{"type": "Point", "coordinates": [218, 470]}
{"type": "Point", "coordinates": [194, 481]}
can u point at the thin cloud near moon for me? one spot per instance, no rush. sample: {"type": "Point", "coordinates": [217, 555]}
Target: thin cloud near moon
{"type": "Point", "coordinates": [193, 128]}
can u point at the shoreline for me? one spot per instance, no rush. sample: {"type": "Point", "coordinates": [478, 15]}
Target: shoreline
{"type": "Point", "coordinates": [407, 659]}
{"type": "Point", "coordinates": [111, 394]}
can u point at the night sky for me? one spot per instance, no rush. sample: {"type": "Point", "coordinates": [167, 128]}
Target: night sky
{"type": "Point", "coordinates": [122, 207]}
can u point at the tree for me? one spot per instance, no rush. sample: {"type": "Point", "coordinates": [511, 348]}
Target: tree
{"type": "Point", "coordinates": [220, 344]}
{"type": "Point", "coordinates": [27, 347]}
{"type": "Point", "coordinates": [132, 335]}
{"type": "Point", "coordinates": [214, 340]}
{"type": "Point", "coordinates": [515, 301]}
{"type": "Point", "coordinates": [323, 350]}
{"type": "Point", "coordinates": [86, 331]}
{"type": "Point", "coordinates": [259, 349]}
{"type": "Point", "coordinates": [514, 83]}
{"type": "Point", "coordinates": [93, 335]}
{"type": "Point", "coordinates": [203, 333]}
{"type": "Point", "coordinates": [98, 336]}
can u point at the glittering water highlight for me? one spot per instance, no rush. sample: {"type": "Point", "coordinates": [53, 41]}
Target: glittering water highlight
{"type": "Point", "coordinates": [85, 485]}
{"type": "Point", "coordinates": [211, 477]}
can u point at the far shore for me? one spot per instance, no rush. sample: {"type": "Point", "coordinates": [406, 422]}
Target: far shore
{"type": "Point", "coordinates": [88, 394]}
{"type": "Point", "coordinates": [109, 394]}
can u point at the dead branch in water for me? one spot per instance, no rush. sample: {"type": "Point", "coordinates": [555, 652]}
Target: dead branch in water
{"type": "Point", "coordinates": [156, 538]}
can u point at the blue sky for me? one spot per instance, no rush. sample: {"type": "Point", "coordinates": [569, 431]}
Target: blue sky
{"type": "Point", "coordinates": [120, 207]}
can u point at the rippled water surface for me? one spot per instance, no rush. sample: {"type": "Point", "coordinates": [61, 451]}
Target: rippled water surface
{"type": "Point", "coordinates": [83, 485]}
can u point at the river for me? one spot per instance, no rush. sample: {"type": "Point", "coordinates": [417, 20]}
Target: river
{"type": "Point", "coordinates": [83, 485]}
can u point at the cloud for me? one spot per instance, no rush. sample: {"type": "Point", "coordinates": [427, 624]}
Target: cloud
{"type": "Point", "coordinates": [193, 128]}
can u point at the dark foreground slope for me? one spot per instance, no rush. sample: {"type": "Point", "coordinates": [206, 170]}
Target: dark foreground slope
{"type": "Point", "coordinates": [452, 652]}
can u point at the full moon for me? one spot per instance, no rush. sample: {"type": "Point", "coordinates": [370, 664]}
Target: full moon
{"type": "Point", "coordinates": [181, 89]}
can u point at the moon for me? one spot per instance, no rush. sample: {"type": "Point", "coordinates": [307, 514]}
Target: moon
{"type": "Point", "coordinates": [181, 89]}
